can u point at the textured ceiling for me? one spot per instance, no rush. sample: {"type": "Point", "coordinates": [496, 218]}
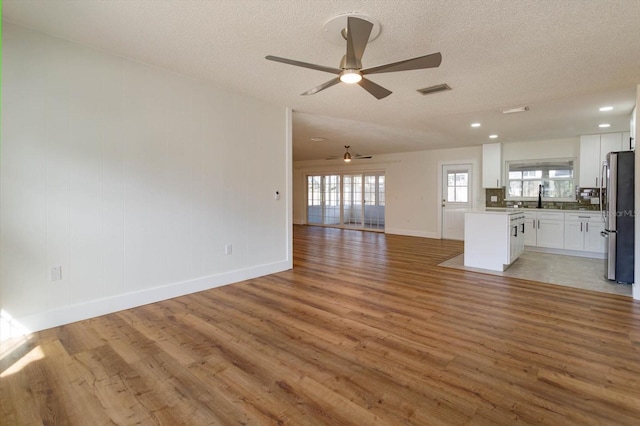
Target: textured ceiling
{"type": "Point", "coordinates": [563, 59]}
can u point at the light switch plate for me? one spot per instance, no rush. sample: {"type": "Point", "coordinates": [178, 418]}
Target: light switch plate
{"type": "Point", "coordinates": [595, 200]}
{"type": "Point", "coordinates": [56, 273]}
{"type": "Point", "coordinates": [494, 198]}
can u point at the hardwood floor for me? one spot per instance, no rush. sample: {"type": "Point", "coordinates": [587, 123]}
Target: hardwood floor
{"type": "Point", "coordinates": [365, 329]}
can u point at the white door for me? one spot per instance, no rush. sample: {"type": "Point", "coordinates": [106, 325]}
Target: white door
{"type": "Point", "coordinates": [456, 199]}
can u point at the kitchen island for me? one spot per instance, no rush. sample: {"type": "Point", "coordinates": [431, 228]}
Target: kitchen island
{"type": "Point", "coordinates": [493, 239]}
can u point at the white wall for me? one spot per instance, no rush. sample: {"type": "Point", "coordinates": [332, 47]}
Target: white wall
{"type": "Point", "coordinates": [412, 186]}
{"type": "Point", "coordinates": [132, 179]}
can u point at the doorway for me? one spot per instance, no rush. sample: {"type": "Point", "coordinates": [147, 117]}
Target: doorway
{"type": "Point", "coordinates": [456, 199]}
{"type": "Point", "coordinates": [355, 201]}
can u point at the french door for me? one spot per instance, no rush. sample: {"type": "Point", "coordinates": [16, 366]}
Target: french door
{"type": "Point", "coordinates": [346, 200]}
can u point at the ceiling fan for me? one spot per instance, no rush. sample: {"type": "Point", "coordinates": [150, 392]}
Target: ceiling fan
{"type": "Point", "coordinates": [347, 157]}
{"type": "Point", "coordinates": [350, 71]}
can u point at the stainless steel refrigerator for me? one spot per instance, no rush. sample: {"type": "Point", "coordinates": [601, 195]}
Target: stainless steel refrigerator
{"type": "Point", "coordinates": [619, 215]}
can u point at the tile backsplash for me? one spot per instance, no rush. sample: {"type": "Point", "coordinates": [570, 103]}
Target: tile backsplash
{"type": "Point", "coordinates": [586, 199]}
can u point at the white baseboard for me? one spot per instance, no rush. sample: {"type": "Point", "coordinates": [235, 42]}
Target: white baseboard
{"type": "Point", "coordinates": [94, 308]}
{"type": "Point", "coordinates": [412, 233]}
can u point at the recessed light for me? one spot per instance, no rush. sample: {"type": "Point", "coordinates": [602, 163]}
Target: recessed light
{"type": "Point", "coordinates": [493, 136]}
{"type": "Point", "coordinates": [606, 108]}
{"type": "Point", "coordinates": [476, 124]}
{"type": "Point", "coordinates": [604, 125]}
{"type": "Point", "coordinates": [318, 139]}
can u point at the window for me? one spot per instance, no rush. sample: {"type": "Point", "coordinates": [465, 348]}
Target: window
{"type": "Point", "coordinates": [458, 187]}
{"type": "Point", "coordinates": [555, 178]}
{"type": "Point", "coordinates": [374, 190]}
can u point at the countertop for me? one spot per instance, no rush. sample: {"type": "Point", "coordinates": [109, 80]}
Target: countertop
{"type": "Point", "coordinates": [528, 209]}
{"type": "Point", "coordinates": [496, 211]}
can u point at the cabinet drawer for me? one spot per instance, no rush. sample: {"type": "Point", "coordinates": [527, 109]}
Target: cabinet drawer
{"type": "Point", "coordinates": [583, 217]}
{"type": "Point", "coordinates": [551, 215]}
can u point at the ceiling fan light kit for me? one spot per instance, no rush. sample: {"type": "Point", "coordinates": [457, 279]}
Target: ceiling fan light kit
{"type": "Point", "coordinates": [347, 156]}
{"type": "Point", "coordinates": [350, 76]}
{"type": "Point", "coordinates": [359, 31]}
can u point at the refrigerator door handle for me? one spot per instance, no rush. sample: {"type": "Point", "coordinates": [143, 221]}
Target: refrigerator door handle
{"type": "Point", "coordinates": [603, 176]}
{"type": "Point", "coordinates": [612, 192]}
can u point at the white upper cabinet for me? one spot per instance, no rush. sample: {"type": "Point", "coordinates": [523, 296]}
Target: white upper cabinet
{"type": "Point", "coordinates": [609, 142]}
{"type": "Point", "coordinates": [492, 165]}
{"type": "Point", "coordinates": [627, 144]}
{"type": "Point", "coordinates": [589, 161]}
{"type": "Point", "coordinates": [593, 152]}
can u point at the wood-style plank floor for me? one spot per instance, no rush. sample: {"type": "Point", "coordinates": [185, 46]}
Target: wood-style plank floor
{"type": "Point", "coordinates": [365, 330]}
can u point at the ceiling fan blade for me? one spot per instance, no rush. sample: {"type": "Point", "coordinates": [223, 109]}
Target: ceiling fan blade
{"type": "Point", "coordinates": [362, 157]}
{"type": "Point", "coordinates": [376, 90]}
{"type": "Point", "coordinates": [358, 32]}
{"type": "Point", "coordinates": [304, 64]}
{"type": "Point", "coordinates": [422, 62]}
{"type": "Point", "coordinates": [322, 86]}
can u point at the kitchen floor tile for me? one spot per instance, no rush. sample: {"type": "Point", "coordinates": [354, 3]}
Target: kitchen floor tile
{"type": "Point", "coordinates": [571, 271]}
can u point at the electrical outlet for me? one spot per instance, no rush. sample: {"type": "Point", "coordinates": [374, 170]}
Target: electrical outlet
{"type": "Point", "coordinates": [228, 249]}
{"type": "Point", "coordinates": [56, 273]}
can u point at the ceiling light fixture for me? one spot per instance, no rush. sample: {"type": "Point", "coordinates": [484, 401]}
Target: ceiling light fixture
{"type": "Point", "coordinates": [493, 136]}
{"type": "Point", "coordinates": [350, 76]}
{"type": "Point", "coordinates": [606, 108]}
{"type": "Point", "coordinates": [347, 156]}
{"type": "Point", "coordinates": [476, 124]}
{"type": "Point", "coordinates": [514, 110]}
{"type": "Point", "coordinates": [603, 125]}
{"type": "Point", "coordinates": [318, 139]}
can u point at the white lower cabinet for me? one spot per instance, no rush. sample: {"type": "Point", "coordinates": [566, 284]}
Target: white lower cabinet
{"type": "Point", "coordinates": [544, 229]}
{"type": "Point", "coordinates": [492, 239]}
{"type": "Point", "coordinates": [582, 232]}
{"type": "Point", "coordinates": [530, 221]}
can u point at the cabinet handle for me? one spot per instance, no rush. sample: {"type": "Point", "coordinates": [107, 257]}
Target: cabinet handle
{"type": "Point", "coordinates": [596, 182]}
{"type": "Point", "coordinates": [515, 232]}
{"type": "Point", "coordinates": [523, 227]}
{"type": "Point", "coordinates": [587, 225]}
{"type": "Point", "coordinates": [497, 183]}
{"type": "Point", "coordinates": [580, 226]}
{"type": "Point", "coordinates": [538, 223]}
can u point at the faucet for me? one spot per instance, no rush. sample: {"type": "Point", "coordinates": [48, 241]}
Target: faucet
{"type": "Point", "coordinates": [539, 196]}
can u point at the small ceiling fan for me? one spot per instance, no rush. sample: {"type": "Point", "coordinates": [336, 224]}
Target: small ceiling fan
{"type": "Point", "coordinates": [347, 157]}
{"type": "Point", "coordinates": [350, 71]}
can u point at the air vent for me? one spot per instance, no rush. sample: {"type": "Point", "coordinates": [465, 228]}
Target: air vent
{"type": "Point", "coordinates": [523, 108]}
{"type": "Point", "coordinates": [434, 89]}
